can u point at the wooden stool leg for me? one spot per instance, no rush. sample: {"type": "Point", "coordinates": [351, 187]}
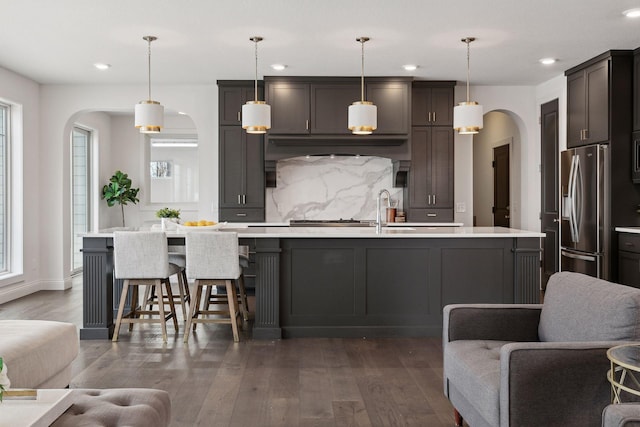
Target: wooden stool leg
{"type": "Point", "coordinates": [181, 292]}
{"type": "Point", "coordinates": [207, 298]}
{"type": "Point", "coordinates": [187, 292]}
{"type": "Point", "coordinates": [123, 301]}
{"type": "Point", "coordinates": [457, 418]}
{"type": "Point", "coordinates": [233, 308]}
{"type": "Point", "coordinates": [172, 305]}
{"type": "Point", "coordinates": [193, 309]}
{"type": "Point", "coordinates": [244, 306]}
{"type": "Point", "coordinates": [163, 321]}
{"type": "Point", "coordinates": [134, 305]}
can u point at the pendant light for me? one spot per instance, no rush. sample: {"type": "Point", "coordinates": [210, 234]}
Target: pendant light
{"type": "Point", "coordinates": [256, 115]}
{"type": "Point", "coordinates": [363, 115]}
{"type": "Point", "coordinates": [467, 116]}
{"type": "Point", "coordinates": [149, 114]}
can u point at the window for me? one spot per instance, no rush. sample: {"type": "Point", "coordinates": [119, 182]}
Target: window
{"type": "Point", "coordinates": [4, 187]}
{"type": "Point", "coordinates": [173, 169]}
{"type": "Point", "coordinates": [80, 175]}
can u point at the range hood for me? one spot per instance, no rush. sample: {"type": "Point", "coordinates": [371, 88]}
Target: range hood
{"type": "Point", "coordinates": [394, 147]}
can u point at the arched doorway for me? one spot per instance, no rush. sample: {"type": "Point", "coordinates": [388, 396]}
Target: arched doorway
{"type": "Point", "coordinates": [500, 135]}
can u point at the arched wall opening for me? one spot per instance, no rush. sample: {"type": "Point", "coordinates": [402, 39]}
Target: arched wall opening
{"type": "Point", "coordinates": [501, 127]}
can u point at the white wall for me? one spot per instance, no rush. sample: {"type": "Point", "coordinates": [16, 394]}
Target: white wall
{"type": "Point", "coordinates": [19, 90]}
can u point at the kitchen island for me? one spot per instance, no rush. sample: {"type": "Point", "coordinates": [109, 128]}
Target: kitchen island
{"type": "Point", "coordinates": [353, 281]}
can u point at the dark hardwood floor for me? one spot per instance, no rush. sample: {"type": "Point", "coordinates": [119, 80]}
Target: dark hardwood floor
{"type": "Point", "coordinates": [294, 382]}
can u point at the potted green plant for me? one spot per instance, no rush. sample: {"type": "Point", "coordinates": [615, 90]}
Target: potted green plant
{"type": "Point", "coordinates": [168, 215]}
{"type": "Point", "coordinates": [119, 190]}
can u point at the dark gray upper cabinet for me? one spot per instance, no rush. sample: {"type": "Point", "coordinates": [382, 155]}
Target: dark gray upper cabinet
{"type": "Point", "coordinates": [432, 103]}
{"type": "Point", "coordinates": [290, 107]}
{"type": "Point", "coordinates": [330, 106]}
{"type": "Point", "coordinates": [636, 89]}
{"type": "Point", "coordinates": [241, 157]}
{"type": "Point", "coordinates": [431, 175]}
{"type": "Point", "coordinates": [596, 98]}
{"type": "Point", "coordinates": [318, 106]}
{"type": "Point", "coordinates": [393, 101]}
{"type": "Point", "coordinates": [232, 95]}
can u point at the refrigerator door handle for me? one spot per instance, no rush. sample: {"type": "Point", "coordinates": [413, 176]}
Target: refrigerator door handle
{"type": "Point", "coordinates": [572, 195]}
{"type": "Point", "coordinates": [577, 256]}
{"type": "Point", "coordinates": [578, 198]}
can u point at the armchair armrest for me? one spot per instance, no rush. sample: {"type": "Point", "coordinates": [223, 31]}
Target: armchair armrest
{"type": "Point", "coordinates": [554, 383]}
{"type": "Point", "coordinates": [621, 415]}
{"type": "Point", "coordinates": [500, 322]}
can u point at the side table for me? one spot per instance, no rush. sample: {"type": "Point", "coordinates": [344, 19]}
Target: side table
{"type": "Point", "coordinates": [624, 374]}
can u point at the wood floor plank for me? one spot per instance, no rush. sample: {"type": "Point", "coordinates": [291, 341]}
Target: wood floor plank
{"type": "Point", "coordinates": [351, 414]}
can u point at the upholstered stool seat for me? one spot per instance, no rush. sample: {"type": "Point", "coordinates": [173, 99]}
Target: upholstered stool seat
{"type": "Point", "coordinates": [38, 353]}
{"type": "Point", "coordinates": [131, 407]}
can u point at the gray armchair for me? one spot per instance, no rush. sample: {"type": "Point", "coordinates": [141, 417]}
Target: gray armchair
{"type": "Point", "coordinates": [538, 365]}
{"type": "Point", "coordinates": [623, 415]}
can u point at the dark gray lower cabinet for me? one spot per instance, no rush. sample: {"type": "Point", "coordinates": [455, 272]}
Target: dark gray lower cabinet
{"type": "Point", "coordinates": [383, 287]}
{"type": "Point", "coordinates": [349, 287]}
{"type": "Point", "coordinates": [629, 259]}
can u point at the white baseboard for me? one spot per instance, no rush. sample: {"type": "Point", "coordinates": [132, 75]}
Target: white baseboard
{"type": "Point", "coordinates": [21, 289]}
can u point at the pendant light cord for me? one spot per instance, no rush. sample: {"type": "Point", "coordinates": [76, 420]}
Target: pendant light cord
{"type": "Point", "coordinates": [149, 66]}
{"type": "Point", "coordinates": [362, 40]}
{"type": "Point", "coordinates": [468, 67]}
{"type": "Point", "coordinates": [255, 40]}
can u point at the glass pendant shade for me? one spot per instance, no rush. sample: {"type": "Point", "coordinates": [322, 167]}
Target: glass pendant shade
{"type": "Point", "coordinates": [467, 118]}
{"type": "Point", "coordinates": [256, 117]}
{"type": "Point", "coordinates": [149, 116]}
{"type": "Point", "coordinates": [363, 118]}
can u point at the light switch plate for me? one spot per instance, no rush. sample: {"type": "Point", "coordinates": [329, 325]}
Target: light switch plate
{"type": "Point", "coordinates": [461, 207]}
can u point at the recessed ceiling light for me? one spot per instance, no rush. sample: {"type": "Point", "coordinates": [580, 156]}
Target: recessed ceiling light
{"type": "Point", "coordinates": [632, 13]}
{"type": "Point", "coordinates": [410, 67]}
{"type": "Point", "coordinates": [278, 67]}
{"type": "Point", "coordinates": [548, 61]}
{"type": "Point", "coordinates": [182, 113]}
{"type": "Point", "coordinates": [101, 66]}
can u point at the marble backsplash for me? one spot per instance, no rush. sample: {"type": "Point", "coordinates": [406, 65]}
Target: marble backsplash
{"type": "Point", "coordinates": [321, 187]}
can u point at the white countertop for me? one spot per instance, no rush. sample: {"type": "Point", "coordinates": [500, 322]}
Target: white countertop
{"type": "Point", "coordinates": [634, 230]}
{"type": "Point", "coordinates": [358, 232]}
{"type": "Point", "coordinates": [391, 224]}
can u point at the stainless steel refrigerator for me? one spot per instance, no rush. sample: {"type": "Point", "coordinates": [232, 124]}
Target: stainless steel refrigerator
{"type": "Point", "coordinates": [585, 224]}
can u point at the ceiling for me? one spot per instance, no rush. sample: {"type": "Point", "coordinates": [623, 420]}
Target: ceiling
{"type": "Point", "coordinates": [201, 41]}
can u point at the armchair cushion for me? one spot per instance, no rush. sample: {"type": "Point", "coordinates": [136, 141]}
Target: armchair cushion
{"type": "Point", "coordinates": [582, 308]}
{"type": "Point", "coordinates": [622, 415]}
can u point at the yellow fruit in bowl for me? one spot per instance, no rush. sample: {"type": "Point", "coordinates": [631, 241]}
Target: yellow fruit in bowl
{"type": "Point", "coordinates": [202, 223]}
{"type": "Point", "coordinates": [211, 223]}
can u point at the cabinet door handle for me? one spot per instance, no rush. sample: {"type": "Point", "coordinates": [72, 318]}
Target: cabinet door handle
{"type": "Point", "coordinates": [434, 117]}
{"type": "Point", "coordinates": [238, 115]}
{"type": "Point", "coordinates": [306, 125]}
{"type": "Point", "coordinates": [429, 202]}
{"type": "Point", "coordinates": [239, 199]}
{"type": "Point", "coordinates": [241, 214]}
{"type": "Point", "coordinates": [429, 119]}
{"type": "Point", "coordinates": [431, 214]}
{"type": "Point", "coordinates": [434, 199]}
{"type": "Point", "coordinates": [586, 134]}
{"type": "Point", "coordinates": [244, 199]}
{"type": "Point", "coordinates": [629, 244]}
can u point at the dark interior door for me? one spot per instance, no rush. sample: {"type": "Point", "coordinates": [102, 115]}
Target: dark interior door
{"type": "Point", "coordinates": [550, 211]}
{"type": "Point", "coordinates": [501, 217]}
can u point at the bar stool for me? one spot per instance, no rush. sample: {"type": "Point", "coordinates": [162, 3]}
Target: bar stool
{"type": "Point", "coordinates": [212, 260]}
{"type": "Point", "coordinates": [243, 303]}
{"type": "Point", "coordinates": [183, 298]}
{"type": "Point", "coordinates": [141, 258]}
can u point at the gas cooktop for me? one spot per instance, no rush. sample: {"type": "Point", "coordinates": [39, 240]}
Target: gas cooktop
{"type": "Point", "coordinates": [329, 223]}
